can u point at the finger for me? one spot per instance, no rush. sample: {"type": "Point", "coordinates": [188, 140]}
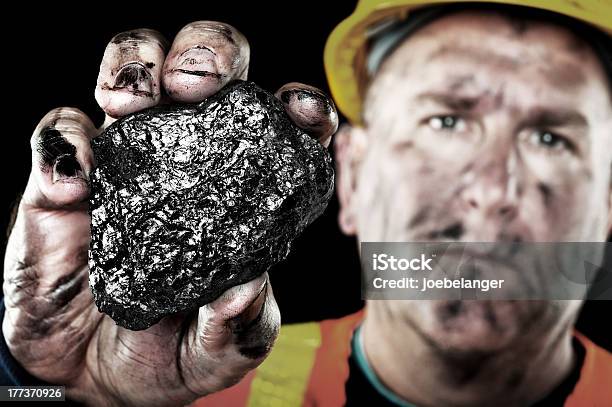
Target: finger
{"type": "Point", "coordinates": [310, 109]}
{"type": "Point", "coordinates": [255, 329]}
{"type": "Point", "coordinates": [61, 159]}
{"type": "Point", "coordinates": [130, 72]}
{"type": "Point", "coordinates": [241, 326]}
{"type": "Point", "coordinates": [204, 57]}
{"type": "Point", "coordinates": [236, 301]}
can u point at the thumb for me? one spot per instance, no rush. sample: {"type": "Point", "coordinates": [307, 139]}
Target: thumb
{"type": "Point", "coordinates": [240, 303]}
{"type": "Point", "coordinates": [230, 336]}
{"type": "Point", "coordinates": [238, 311]}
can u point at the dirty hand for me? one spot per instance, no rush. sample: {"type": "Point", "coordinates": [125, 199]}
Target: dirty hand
{"type": "Point", "coordinates": [51, 325]}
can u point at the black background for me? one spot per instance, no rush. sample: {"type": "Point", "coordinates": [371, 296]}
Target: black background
{"type": "Point", "coordinates": [53, 57]}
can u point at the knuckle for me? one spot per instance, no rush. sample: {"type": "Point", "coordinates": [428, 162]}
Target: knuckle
{"type": "Point", "coordinates": [21, 281]}
{"type": "Point", "coordinates": [136, 35]}
{"type": "Point", "coordinates": [228, 31]}
{"type": "Point", "coordinates": [65, 116]}
{"type": "Point", "coordinates": [66, 119]}
{"type": "Point", "coordinates": [39, 309]}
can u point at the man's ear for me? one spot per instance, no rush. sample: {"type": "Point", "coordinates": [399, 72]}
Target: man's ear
{"type": "Point", "coordinates": [350, 146]}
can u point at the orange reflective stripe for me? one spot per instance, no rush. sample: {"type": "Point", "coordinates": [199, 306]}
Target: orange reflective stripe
{"type": "Point", "coordinates": [331, 368]}
{"type": "Point", "coordinates": [594, 388]}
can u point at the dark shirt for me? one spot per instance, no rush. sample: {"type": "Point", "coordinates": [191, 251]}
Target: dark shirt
{"type": "Point", "coordinates": [360, 392]}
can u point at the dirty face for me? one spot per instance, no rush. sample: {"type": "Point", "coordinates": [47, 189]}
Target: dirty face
{"type": "Point", "coordinates": [479, 130]}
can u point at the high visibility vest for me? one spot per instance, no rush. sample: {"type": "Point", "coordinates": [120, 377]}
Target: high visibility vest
{"type": "Point", "coordinates": [308, 366]}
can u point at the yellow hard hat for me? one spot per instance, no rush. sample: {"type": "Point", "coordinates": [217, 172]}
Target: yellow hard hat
{"type": "Point", "coordinates": [345, 51]}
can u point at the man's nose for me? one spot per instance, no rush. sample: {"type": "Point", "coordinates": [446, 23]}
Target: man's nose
{"type": "Point", "coordinates": [490, 188]}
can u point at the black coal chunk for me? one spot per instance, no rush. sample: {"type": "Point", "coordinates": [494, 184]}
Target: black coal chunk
{"type": "Point", "coordinates": [190, 200]}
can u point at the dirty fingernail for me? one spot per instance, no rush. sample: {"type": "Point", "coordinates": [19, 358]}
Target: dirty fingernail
{"type": "Point", "coordinates": [198, 61]}
{"type": "Point", "coordinates": [251, 315]}
{"type": "Point", "coordinates": [135, 78]}
{"type": "Point", "coordinates": [66, 166]}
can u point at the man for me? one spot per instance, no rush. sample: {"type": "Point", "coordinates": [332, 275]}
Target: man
{"type": "Point", "coordinates": [470, 123]}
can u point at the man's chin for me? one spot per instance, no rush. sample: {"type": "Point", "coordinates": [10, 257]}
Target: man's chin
{"type": "Point", "coordinates": [475, 326]}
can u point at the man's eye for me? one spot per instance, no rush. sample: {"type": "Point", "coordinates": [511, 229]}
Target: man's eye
{"type": "Point", "coordinates": [550, 140]}
{"type": "Point", "coordinates": [448, 123]}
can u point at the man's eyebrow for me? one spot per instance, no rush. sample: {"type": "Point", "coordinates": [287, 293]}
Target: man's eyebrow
{"type": "Point", "coordinates": [451, 100]}
{"type": "Point", "coordinates": [546, 117]}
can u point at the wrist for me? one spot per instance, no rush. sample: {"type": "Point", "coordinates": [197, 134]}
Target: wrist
{"type": "Point", "coordinates": [89, 392]}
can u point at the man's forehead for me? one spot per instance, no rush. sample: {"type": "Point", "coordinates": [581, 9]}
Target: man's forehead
{"type": "Point", "coordinates": [479, 32]}
{"type": "Point", "coordinates": [490, 21]}
{"type": "Point", "coordinates": [456, 50]}
{"type": "Point", "coordinates": [564, 71]}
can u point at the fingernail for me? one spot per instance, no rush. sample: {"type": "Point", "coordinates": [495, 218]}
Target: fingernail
{"type": "Point", "coordinates": [66, 166]}
{"type": "Point", "coordinates": [308, 99]}
{"type": "Point", "coordinates": [136, 78]}
{"type": "Point", "coordinates": [198, 61]}
{"type": "Point", "coordinates": [251, 315]}
{"type": "Point", "coordinates": [312, 111]}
